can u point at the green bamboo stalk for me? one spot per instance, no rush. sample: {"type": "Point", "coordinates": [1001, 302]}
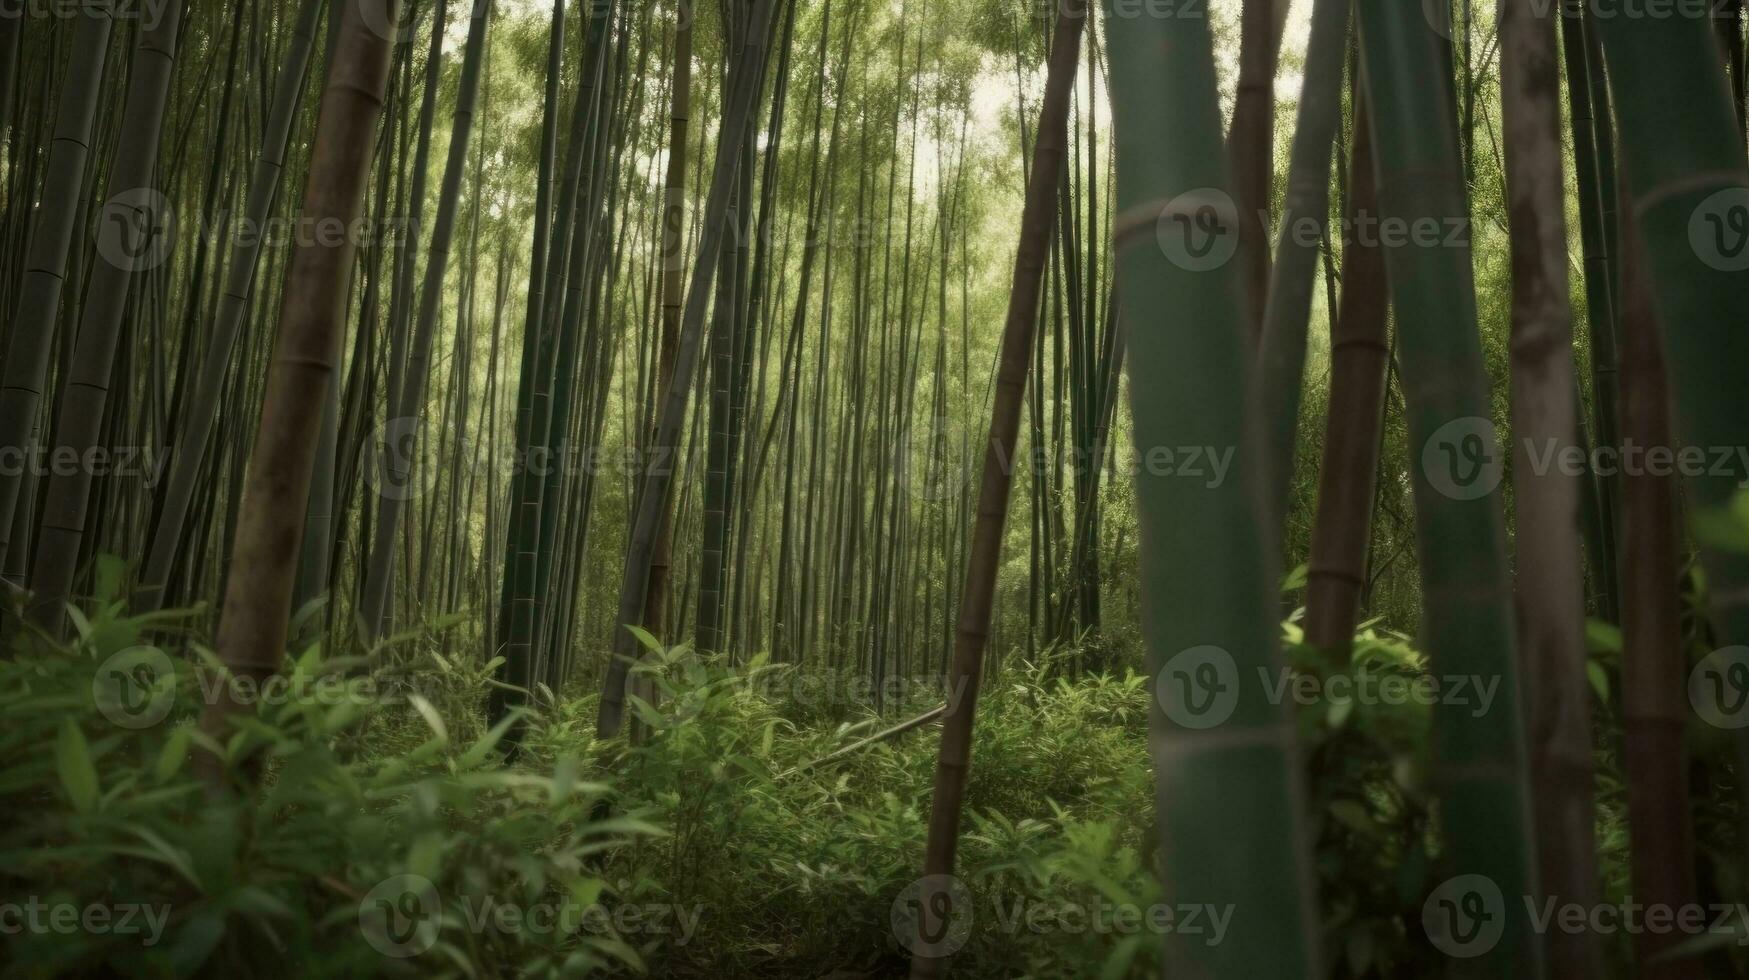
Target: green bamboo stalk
{"type": "Point", "coordinates": [1282, 356]}
{"type": "Point", "coordinates": [136, 233]}
{"type": "Point", "coordinates": [411, 406]}
{"type": "Point", "coordinates": [1467, 630]}
{"type": "Point", "coordinates": [1227, 774]}
{"type": "Point", "coordinates": [1654, 664]}
{"type": "Point", "coordinates": [1599, 286]}
{"type": "Point", "coordinates": [200, 411]}
{"type": "Point", "coordinates": [52, 232]}
{"type": "Point", "coordinates": [1683, 164]}
{"type": "Point", "coordinates": [1360, 354]}
{"type": "Point", "coordinates": [737, 119]}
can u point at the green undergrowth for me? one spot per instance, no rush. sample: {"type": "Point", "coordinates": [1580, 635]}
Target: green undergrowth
{"type": "Point", "coordinates": [393, 832]}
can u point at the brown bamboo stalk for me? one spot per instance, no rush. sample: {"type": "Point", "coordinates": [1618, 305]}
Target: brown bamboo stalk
{"type": "Point", "coordinates": [258, 592]}
{"type": "Point", "coordinates": [1037, 221]}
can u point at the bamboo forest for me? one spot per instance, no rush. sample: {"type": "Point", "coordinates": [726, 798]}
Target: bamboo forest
{"type": "Point", "coordinates": [1202, 489]}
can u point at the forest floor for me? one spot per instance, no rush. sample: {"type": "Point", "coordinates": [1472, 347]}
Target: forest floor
{"type": "Point", "coordinates": [755, 829]}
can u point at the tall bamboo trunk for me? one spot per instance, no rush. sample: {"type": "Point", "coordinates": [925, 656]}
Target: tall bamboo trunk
{"type": "Point", "coordinates": [201, 410]}
{"type": "Point", "coordinates": [52, 233]}
{"type": "Point", "coordinates": [1595, 238]}
{"type": "Point", "coordinates": [1359, 354]}
{"type": "Point", "coordinates": [1654, 665]}
{"type": "Point", "coordinates": [134, 238]}
{"type": "Point", "coordinates": [410, 409]}
{"type": "Point", "coordinates": [1286, 314]}
{"type": "Point", "coordinates": [1038, 219]}
{"type": "Point", "coordinates": [1550, 584]}
{"type": "Point", "coordinates": [738, 112]}
{"type": "Point", "coordinates": [1683, 164]}
{"type": "Point", "coordinates": [1227, 773]}
{"type": "Point", "coordinates": [252, 633]}
{"type": "Point", "coordinates": [1251, 147]}
{"type": "Point", "coordinates": [1478, 756]}
{"type": "Point", "coordinates": [673, 259]}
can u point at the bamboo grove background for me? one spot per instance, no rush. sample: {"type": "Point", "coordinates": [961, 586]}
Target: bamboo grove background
{"type": "Point", "coordinates": [851, 232]}
{"type": "Point", "coordinates": [832, 484]}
